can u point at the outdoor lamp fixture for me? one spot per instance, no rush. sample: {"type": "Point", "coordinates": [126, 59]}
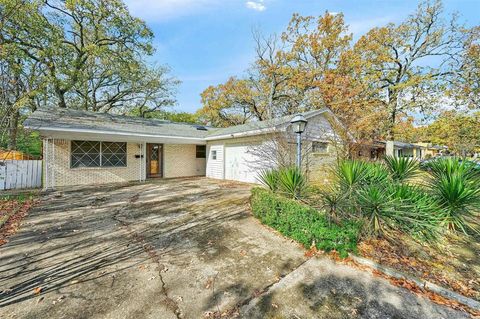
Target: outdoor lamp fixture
{"type": "Point", "coordinates": [298, 124]}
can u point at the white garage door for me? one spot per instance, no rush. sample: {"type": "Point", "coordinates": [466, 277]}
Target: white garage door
{"type": "Point", "coordinates": [240, 163]}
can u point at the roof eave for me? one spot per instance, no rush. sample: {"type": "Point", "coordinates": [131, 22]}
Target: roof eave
{"type": "Point", "coordinates": [242, 134]}
{"type": "Point", "coordinates": [64, 132]}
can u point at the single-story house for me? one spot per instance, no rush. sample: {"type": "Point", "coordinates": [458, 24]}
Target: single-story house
{"type": "Point", "coordinates": [401, 149]}
{"type": "Point", "coordinates": [368, 150]}
{"type": "Point", "coordinates": [83, 148]}
{"type": "Point", "coordinates": [431, 150]}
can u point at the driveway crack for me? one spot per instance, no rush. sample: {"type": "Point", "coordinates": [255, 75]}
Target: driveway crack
{"type": "Point", "coordinates": [235, 311]}
{"type": "Point", "coordinates": [150, 251]}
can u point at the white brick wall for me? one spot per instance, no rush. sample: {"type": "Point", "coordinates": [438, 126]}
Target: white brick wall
{"type": "Point", "coordinates": [180, 161]}
{"type": "Point", "coordinates": [63, 175]}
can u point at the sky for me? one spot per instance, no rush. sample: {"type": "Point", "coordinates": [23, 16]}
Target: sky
{"type": "Point", "coordinates": [204, 42]}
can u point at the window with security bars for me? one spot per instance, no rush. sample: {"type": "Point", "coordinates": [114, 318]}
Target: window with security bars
{"type": "Point", "coordinates": [98, 154]}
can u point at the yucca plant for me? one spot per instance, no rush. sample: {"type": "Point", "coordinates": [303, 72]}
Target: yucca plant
{"type": "Point", "coordinates": [455, 185]}
{"type": "Point", "coordinates": [291, 181]}
{"type": "Point", "coordinates": [377, 207]}
{"type": "Point", "coordinates": [448, 166]}
{"type": "Point", "coordinates": [394, 206]}
{"type": "Point", "coordinates": [375, 173]}
{"type": "Point", "coordinates": [420, 211]}
{"type": "Point", "coordinates": [350, 174]}
{"type": "Point", "coordinates": [269, 178]}
{"type": "Point", "coordinates": [334, 202]}
{"type": "Point", "coordinates": [402, 169]}
{"type": "Point", "coordinates": [459, 199]}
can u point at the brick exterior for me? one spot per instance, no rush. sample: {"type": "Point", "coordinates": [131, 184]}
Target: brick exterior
{"type": "Point", "coordinates": [179, 161]}
{"type": "Point", "coordinates": [63, 175]}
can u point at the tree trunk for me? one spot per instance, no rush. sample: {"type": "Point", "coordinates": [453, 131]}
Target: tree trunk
{"type": "Point", "coordinates": [393, 107]}
{"type": "Point", "coordinates": [13, 131]}
{"type": "Point", "coordinates": [61, 100]}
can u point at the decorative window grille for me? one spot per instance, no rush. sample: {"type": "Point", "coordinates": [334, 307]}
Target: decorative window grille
{"type": "Point", "coordinates": [98, 154]}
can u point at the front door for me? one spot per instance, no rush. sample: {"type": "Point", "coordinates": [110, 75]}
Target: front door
{"type": "Point", "coordinates": [154, 160]}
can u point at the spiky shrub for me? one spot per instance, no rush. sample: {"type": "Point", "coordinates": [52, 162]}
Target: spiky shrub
{"type": "Point", "coordinates": [402, 169]}
{"type": "Point", "coordinates": [334, 203]}
{"type": "Point", "coordinates": [452, 165]}
{"type": "Point", "coordinates": [269, 178]}
{"type": "Point", "coordinates": [291, 182]}
{"type": "Point", "coordinates": [375, 173]}
{"type": "Point", "coordinates": [393, 206]}
{"type": "Point", "coordinates": [369, 192]}
{"type": "Point", "coordinates": [455, 185]}
{"type": "Point", "coordinates": [350, 174]}
{"type": "Point", "coordinates": [419, 215]}
{"type": "Point", "coordinates": [377, 207]}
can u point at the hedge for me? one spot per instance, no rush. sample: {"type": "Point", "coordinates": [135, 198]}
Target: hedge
{"type": "Point", "coordinates": [303, 223]}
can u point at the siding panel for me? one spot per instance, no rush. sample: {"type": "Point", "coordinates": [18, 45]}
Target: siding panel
{"type": "Point", "coordinates": [215, 167]}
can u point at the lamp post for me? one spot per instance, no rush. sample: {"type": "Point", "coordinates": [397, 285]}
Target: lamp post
{"type": "Point", "coordinates": [298, 124]}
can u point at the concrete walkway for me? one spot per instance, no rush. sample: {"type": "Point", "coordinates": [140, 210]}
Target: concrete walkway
{"type": "Point", "coordinates": [178, 249]}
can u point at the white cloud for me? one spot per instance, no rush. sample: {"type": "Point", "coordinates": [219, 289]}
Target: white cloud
{"type": "Point", "coordinates": [256, 5]}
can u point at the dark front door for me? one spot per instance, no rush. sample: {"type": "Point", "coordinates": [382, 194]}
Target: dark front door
{"type": "Point", "coordinates": [154, 160]}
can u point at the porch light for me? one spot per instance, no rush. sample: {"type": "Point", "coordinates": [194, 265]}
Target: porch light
{"type": "Point", "coordinates": [299, 122]}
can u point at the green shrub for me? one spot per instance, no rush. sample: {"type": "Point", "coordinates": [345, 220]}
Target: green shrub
{"type": "Point", "coordinates": [334, 202]}
{"type": "Point", "coordinates": [303, 223]}
{"type": "Point", "coordinates": [455, 185]}
{"type": "Point", "coordinates": [291, 182]}
{"type": "Point", "coordinates": [402, 169]}
{"type": "Point", "coordinates": [373, 193]}
{"type": "Point", "coordinates": [375, 174]}
{"type": "Point", "coordinates": [269, 178]}
{"type": "Point", "coordinates": [394, 206]}
{"type": "Point", "coordinates": [350, 174]}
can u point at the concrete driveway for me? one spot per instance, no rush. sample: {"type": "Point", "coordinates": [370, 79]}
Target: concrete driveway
{"type": "Point", "coordinates": [178, 249]}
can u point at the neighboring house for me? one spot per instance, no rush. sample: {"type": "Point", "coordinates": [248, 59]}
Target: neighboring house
{"type": "Point", "coordinates": [430, 150]}
{"type": "Point", "coordinates": [83, 148]}
{"type": "Point", "coordinates": [401, 149]}
{"type": "Point", "coordinates": [365, 150]}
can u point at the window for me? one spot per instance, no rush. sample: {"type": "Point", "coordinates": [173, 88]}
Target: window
{"type": "Point", "coordinates": [319, 147]}
{"type": "Point", "coordinates": [214, 155]}
{"type": "Point", "coordinates": [201, 151]}
{"type": "Point", "coordinates": [98, 154]}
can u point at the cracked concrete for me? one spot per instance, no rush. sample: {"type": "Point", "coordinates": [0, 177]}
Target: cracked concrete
{"type": "Point", "coordinates": [184, 248]}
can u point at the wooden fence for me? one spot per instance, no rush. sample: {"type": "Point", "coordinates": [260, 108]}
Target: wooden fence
{"type": "Point", "coordinates": [20, 174]}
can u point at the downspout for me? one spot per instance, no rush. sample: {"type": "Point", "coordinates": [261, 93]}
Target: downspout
{"type": "Point", "coordinates": [53, 163]}
{"type": "Point", "coordinates": [46, 162]}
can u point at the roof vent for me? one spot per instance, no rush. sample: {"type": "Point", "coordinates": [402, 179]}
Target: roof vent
{"type": "Point", "coordinates": [201, 128]}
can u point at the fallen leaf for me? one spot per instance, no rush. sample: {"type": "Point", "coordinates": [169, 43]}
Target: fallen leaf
{"type": "Point", "coordinates": [37, 290]}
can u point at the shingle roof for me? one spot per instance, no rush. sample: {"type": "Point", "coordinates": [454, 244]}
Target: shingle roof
{"type": "Point", "coordinates": [79, 120]}
{"type": "Point", "coordinates": [405, 145]}
{"type": "Point", "coordinates": [72, 120]}
{"type": "Point", "coordinates": [259, 125]}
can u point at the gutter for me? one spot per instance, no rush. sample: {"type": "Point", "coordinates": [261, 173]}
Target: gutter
{"type": "Point", "coordinates": [242, 134]}
{"type": "Point", "coordinates": [53, 129]}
